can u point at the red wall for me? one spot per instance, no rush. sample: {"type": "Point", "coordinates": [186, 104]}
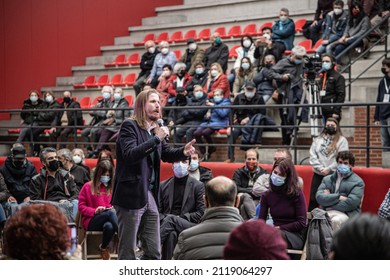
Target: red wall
{"type": "Point", "coordinates": [42, 39]}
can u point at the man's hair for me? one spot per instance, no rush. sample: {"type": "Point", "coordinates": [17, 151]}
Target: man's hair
{"type": "Point", "coordinates": [285, 10]}
{"type": "Point", "coordinates": [286, 151]}
{"type": "Point", "coordinates": [339, 3]}
{"type": "Point", "coordinates": [167, 66]}
{"type": "Point", "coordinates": [199, 63]}
{"type": "Point", "coordinates": [178, 66]}
{"type": "Point", "coordinates": [346, 155]}
{"type": "Point", "coordinates": [266, 28]}
{"type": "Point", "coordinates": [139, 107]}
{"type": "Point", "coordinates": [221, 191]}
{"type": "Point", "coordinates": [36, 232]}
{"type": "Point", "coordinates": [332, 59]}
{"type": "Point", "coordinates": [252, 150]}
{"type": "Point", "coordinates": [66, 153]}
{"type": "Point", "coordinates": [75, 150]}
{"type": "Point", "coordinates": [45, 151]}
{"type": "Point", "coordinates": [386, 62]}
{"type": "Point", "coordinates": [298, 50]}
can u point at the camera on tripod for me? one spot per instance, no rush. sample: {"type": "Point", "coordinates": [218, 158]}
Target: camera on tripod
{"type": "Point", "coordinates": [313, 66]}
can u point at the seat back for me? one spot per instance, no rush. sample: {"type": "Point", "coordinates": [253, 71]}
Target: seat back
{"type": "Point", "coordinates": [103, 80]}
{"type": "Point", "coordinates": [266, 24]}
{"type": "Point", "coordinates": [130, 79]}
{"type": "Point", "coordinates": [85, 102]}
{"type": "Point", "coordinates": [176, 37]}
{"type": "Point", "coordinates": [234, 31]}
{"type": "Point", "coordinates": [134, 59]}
{"type": "Point", "coordinates": [190, 34]}
{"type": "Point", "coordinates": [129, 99]}
{"type": "Point", "coordinates": [116, 80]}
{"type": "Point", "coordinates": [162, 37]}
{"type": "Point", "coordinates": [204, 34]}
{"type": "Point", "coordinates": [250, 29]}
{"type": "Point", "coordinates": [222, 31]}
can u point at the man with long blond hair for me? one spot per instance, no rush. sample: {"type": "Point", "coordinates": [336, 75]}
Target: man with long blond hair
{"type": "Point", "coordinates": [140, 146]}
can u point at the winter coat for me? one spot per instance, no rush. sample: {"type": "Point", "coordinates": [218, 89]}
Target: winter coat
{"type": "Point", "coordinates": [30, 117]}
{"type": "Point", "coordinates": [253, 135]}
{"type": "Point", "coordinates": [196, 57]}
{"type": "Point", "coordinates": [217, 53]}
{"type": "Point", "coordinates": [219, 116]}
{"type": "Point", "coordinates": [284, 32]}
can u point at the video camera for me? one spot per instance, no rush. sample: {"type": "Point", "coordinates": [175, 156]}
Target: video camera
{"type": "Point", "coordinates": [313, 66]}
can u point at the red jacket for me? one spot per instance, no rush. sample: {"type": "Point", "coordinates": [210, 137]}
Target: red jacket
{"type": "Point", "coordinates": [221, 82]}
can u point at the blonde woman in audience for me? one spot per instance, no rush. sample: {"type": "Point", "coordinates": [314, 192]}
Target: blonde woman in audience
{"type": "Point", "coordinates": [217, 79]}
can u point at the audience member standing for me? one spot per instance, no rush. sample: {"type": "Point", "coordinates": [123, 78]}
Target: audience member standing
{"type": "Point", "coordinates": [323, 152]}
{"type": "Point", "coordinates": [139, 148]}
{"type": "Point", "coordinates": [283, 30]}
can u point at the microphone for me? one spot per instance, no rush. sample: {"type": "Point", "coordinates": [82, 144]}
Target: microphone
{"type": "Point", "coordinates": [160, 123]}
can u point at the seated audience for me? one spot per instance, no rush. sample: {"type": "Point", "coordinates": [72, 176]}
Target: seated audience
{"type": "Point", "coordinates": [166, 56]}
{"type": "Point", "coordinates": [363, 237]}
{"type": "Point", "coordinates": [255, 240]}
{"type": "Point", "coordinates": [215, 119]}
{"type": "Point", "coordinates": [103, 155]}
{"type": "Point", "coordinates": [216, 79]}
{"type": "Point", "coordinates": [146, 65]}
{"type": "Point", "coordinates": [181, 206]}
{"type": "Point", "coordinates": [206, 240]}
{"type": "Point", "coordinates": [29, 118]}
{"type": "Point", "coordinates": [265, 46]}
{"type": "Point", "coordinates": [190, 118]}
{"type": "Point", "coordinates": [341, 193]}
{"type": "Point", "coordinates": [283, 31]}
{"type": "Point", "coordinates": [79, 158]}
{"type": "Point", "coordinates": [218, 52]}
{"type": "Point", "coordinates": [285, 202]}
{"type": "Point", "coordinates": [54, 184]}
{"type": "Point", "coordinates": [265, 86]}
{"type": "Point", "coordinates": [316, 27]}
{"type": "Point", "coordinates": [192, 56]}
{"type": "Point", "coordinates": [37, 232]}
{"type": "Point", "coordinates": [164, 83]}
{"type": "Point", "coordinates": [17, 173]}
{"type": "Point", "coordinates": [199, 78]}
{"type": "Point", "coordinates": [197, 171]}
{"type": "Point", "coordinates": [68, 120]}
{"type": "Point", "coordinates": [244, 74]}
{"type": "Point", "coordinates": [97, 214]}
{"type": "Point", "coordinates": [180, 79]}
{"type": "Point", "coordinates": [383, 10]}
{"type": "Point", "coordinates": [80, 175]}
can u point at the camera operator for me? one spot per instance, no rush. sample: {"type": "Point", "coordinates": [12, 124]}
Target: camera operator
{"type": "Point", "coordinates": [332, 88]}
{"type": "Point", "coordinates": [288, 75]}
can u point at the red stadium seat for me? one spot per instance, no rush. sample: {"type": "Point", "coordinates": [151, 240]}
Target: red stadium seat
{"type": "Point", "coordinates": [119, 60]}
{"type": "Point", "coordinates": [96, 100]}
{"type": "Point", "coordinates": [307, 44]}
{"type": "Point", "coordinates": [232, 52]}
{"type": "Point", "coordinates": [129, 99]}
{"type": "Point", "coordinates": [162, 37]}
{"type": "Point", "coordinates": [116, 80]}
{"type": "Point", "coordinates": [176, 37]}
{"type": "Point", "coordinates": [266, 24]}
{"type": "Point", "coordinates": [299, 25]}
{"type": "Point", "coordinates": [88, 82]}
{"type": "Point", "coordinates": [147, 37]}
{"type": "Point", "coordinates": [316, 46]}
{"type": "Point", "coordinates": [177, 53]}
{"type": "Point", "coordinates": [234, 31]}
{"type": "Point", "coordinates": [102, 80]}
{"type": "Point", "coordinates": [250, 30]}
{"type": "Point", "coordinates": [204, 34]}
{"type": "Point", "coordinates": [85, 102]}
{"type": "Point", "coordinates": [222, 31]}
{"type": "Point", "coordinates": [130, 79]}
{"type": "Point", "coordinates": [134, 59]}
{"type": "Point", "coordinates": [189, 34]}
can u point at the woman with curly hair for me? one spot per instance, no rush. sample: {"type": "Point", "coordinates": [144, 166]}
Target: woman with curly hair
{"type": "Point", "coordinates": [286, 203]}
{"type": "Point", "coordinates": [323, 154]}
{"type": "Point", "coordinates": [37, 232]}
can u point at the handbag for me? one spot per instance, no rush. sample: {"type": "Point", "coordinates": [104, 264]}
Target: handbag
{"type": "Point", "coordinates": [384, 209]}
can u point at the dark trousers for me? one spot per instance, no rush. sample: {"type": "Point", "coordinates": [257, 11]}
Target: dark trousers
{"type": "Point", "coordinates": [63, 133]}
{"type": "Point", "coordinates": [236, 132]}
{"type": "Point", "coordinates": [315, 183]}
{"type": "Point", "coordinates": [170, 228]}
{"type": "Point", "coordinates": [108, 223]}
{"type": "Point", "coordinates": [105, 136]}
{"type": "Point", "coordinates": [206, 132]}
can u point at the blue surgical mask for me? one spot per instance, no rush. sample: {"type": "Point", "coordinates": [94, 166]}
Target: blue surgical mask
{"type": "Point", "coordinates": [297, 61]}
{"type": "Point", "coordinates": [33, 98]}
{"type": "Point", "coordinates": [106, 95]}
{"type": "Point", "coordinates": [277, 180]}
{"type": "Point", "coordinates": [326, 66]}
{"type": "Point", "coordinates": [105, 179]}
{"type": "Point", "coordinates": [198, 94]}
{"type": "Point", "coordinates": [343, 169]}
{"type": "Point", "coordinates": [199, 71]}
{"type": "Point", "coordinates": [194, 165]}
{"type": "Point", "coordinates": [49, 99]}
{"type": "Point", "coordinates": [245, 66]}
{"type": "Point", "coordinates": [117, 96]}
{"type": "Point", "coordinates": [180, 169]}
{"type": "Point", "coordinates": [217, 99]}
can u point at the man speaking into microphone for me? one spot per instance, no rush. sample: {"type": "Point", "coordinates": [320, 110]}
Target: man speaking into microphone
{"type": "Point", "coordinates": [140, 146]}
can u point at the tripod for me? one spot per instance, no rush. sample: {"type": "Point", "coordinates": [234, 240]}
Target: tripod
{"type": "Point", "coordinates": [311, 93]}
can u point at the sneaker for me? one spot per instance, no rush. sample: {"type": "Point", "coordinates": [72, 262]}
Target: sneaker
{"type": "Point", "coordinates": [104, 253]}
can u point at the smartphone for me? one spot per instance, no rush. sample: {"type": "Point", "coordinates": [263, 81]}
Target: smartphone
{"type": "Point", "coordinates": [72, 233]}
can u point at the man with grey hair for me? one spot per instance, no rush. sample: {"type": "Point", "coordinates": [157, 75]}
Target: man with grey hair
{"type": "Point", "coordinates": [206, 240]}
{"type": "Point", "coordinates": [283, 30]}
{"type": "Point", "coordinates": [288, 75]}
{"type": "Point", "coordinates": [79, 174]}
{"type": "Point", "coordinates": [146, 65]}
{"type": "Point", "coordinates": [217, 52]}
{"type": "Point", "coordinates": [166, 56]}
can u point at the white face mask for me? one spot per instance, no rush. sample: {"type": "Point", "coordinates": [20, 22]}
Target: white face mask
{"type": "Point", "coordinates": [151, 49]}
{"type": "Point", "coordinates": [33, 98]}
{"type": "Point", "coordinates": [117, 96]}
{"type": "Point", "coordinates": [338, 11]}
{"type": "Point", "coordinates": [247, 43]}
{"type": "Point", "coordinates": [214, 73]}
{"type": "Point", "coordinates": [283, 18]}
{"type": "Point", "coordinates": [164, 50]}
{"type": "Point", "coordinates": [166, 73]}
{"type": "Point", "coordinates": [192, 46]}
{"type": "Point", "coordinates": [267, 36]}
{"type": "Point", "coordinates": [49, 99]}
{"type": "Point", "coordinates": [180, 169]}
{"type": "Point", "coordinates": [245, 66]}
{"type": "Point", "coordinates": [249, 94]}
{"type": "Point", "coordinates": [106, 95]}
{"type": "Point", "coordinates": [76, 159]}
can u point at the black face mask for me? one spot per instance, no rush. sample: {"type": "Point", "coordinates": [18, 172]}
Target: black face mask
{"type": "Point", "coordinates": [18, 164]}
{"type": "Point", "coordinates": [331, 130]}
{"type": "Point", "coordinates": [53, 165]}
{"type": "Point", "coordinates": [268, 65]}
{"type": "Point", "coordinates": [383, 69]}
{"type": "Point", "coordinates": [67, 99]}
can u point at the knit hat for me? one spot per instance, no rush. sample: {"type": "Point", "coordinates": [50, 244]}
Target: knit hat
{"type": "Point", "coordinates": [255, 240]}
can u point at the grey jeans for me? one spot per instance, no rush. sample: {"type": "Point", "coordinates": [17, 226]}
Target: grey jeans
{"type": "Point", "coordinates": [144, 223]}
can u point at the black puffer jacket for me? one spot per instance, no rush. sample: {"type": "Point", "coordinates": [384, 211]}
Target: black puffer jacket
{"type": "Point", "coordinates": [29, 117]}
